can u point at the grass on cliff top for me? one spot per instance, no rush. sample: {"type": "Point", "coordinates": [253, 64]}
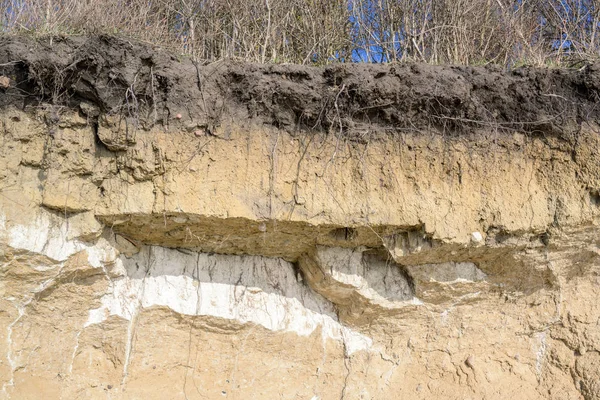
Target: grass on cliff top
{"type": "Point", "coordinates": [467, 32]}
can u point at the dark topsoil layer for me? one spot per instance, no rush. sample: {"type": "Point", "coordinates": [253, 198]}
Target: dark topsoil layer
{"type": "Point", "coordinates": [108, 75]}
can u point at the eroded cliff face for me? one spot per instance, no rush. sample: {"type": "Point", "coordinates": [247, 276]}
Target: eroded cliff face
{"type": "Point", "coordinates": [242, 258]}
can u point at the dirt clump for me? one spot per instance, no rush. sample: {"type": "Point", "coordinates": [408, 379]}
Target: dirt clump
{"type": "Point", "coordinates": [109, 75]}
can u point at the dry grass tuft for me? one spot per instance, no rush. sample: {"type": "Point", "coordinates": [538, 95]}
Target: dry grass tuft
{"type": "Point", "coordinates": [470, 32]}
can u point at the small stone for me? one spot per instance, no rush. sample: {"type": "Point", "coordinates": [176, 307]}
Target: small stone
{"type": "Point", "coordinates": [262, 227]}
{"type": "Point", "coordinates": [200, 132]}
{"type": "Point", "coordinates": [469, 362]}
{"type": "Point", "coordinates": [4, 82]}
{"type": "Point", "coordinates": [178, 116]}
{"type": "Point", "coordinates": [476, 237]}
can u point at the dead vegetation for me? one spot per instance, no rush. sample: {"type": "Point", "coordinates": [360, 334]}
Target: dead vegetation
{"type": "Point", "coordinates": [468, 32]}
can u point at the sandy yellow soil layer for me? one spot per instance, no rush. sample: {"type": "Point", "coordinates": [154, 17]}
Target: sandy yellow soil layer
{"type": "Point", "coordinates": [231, 231]}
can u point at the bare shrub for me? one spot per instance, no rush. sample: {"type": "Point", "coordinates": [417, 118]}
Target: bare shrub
{"type": "Point", "coordinates": [504, 32]}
